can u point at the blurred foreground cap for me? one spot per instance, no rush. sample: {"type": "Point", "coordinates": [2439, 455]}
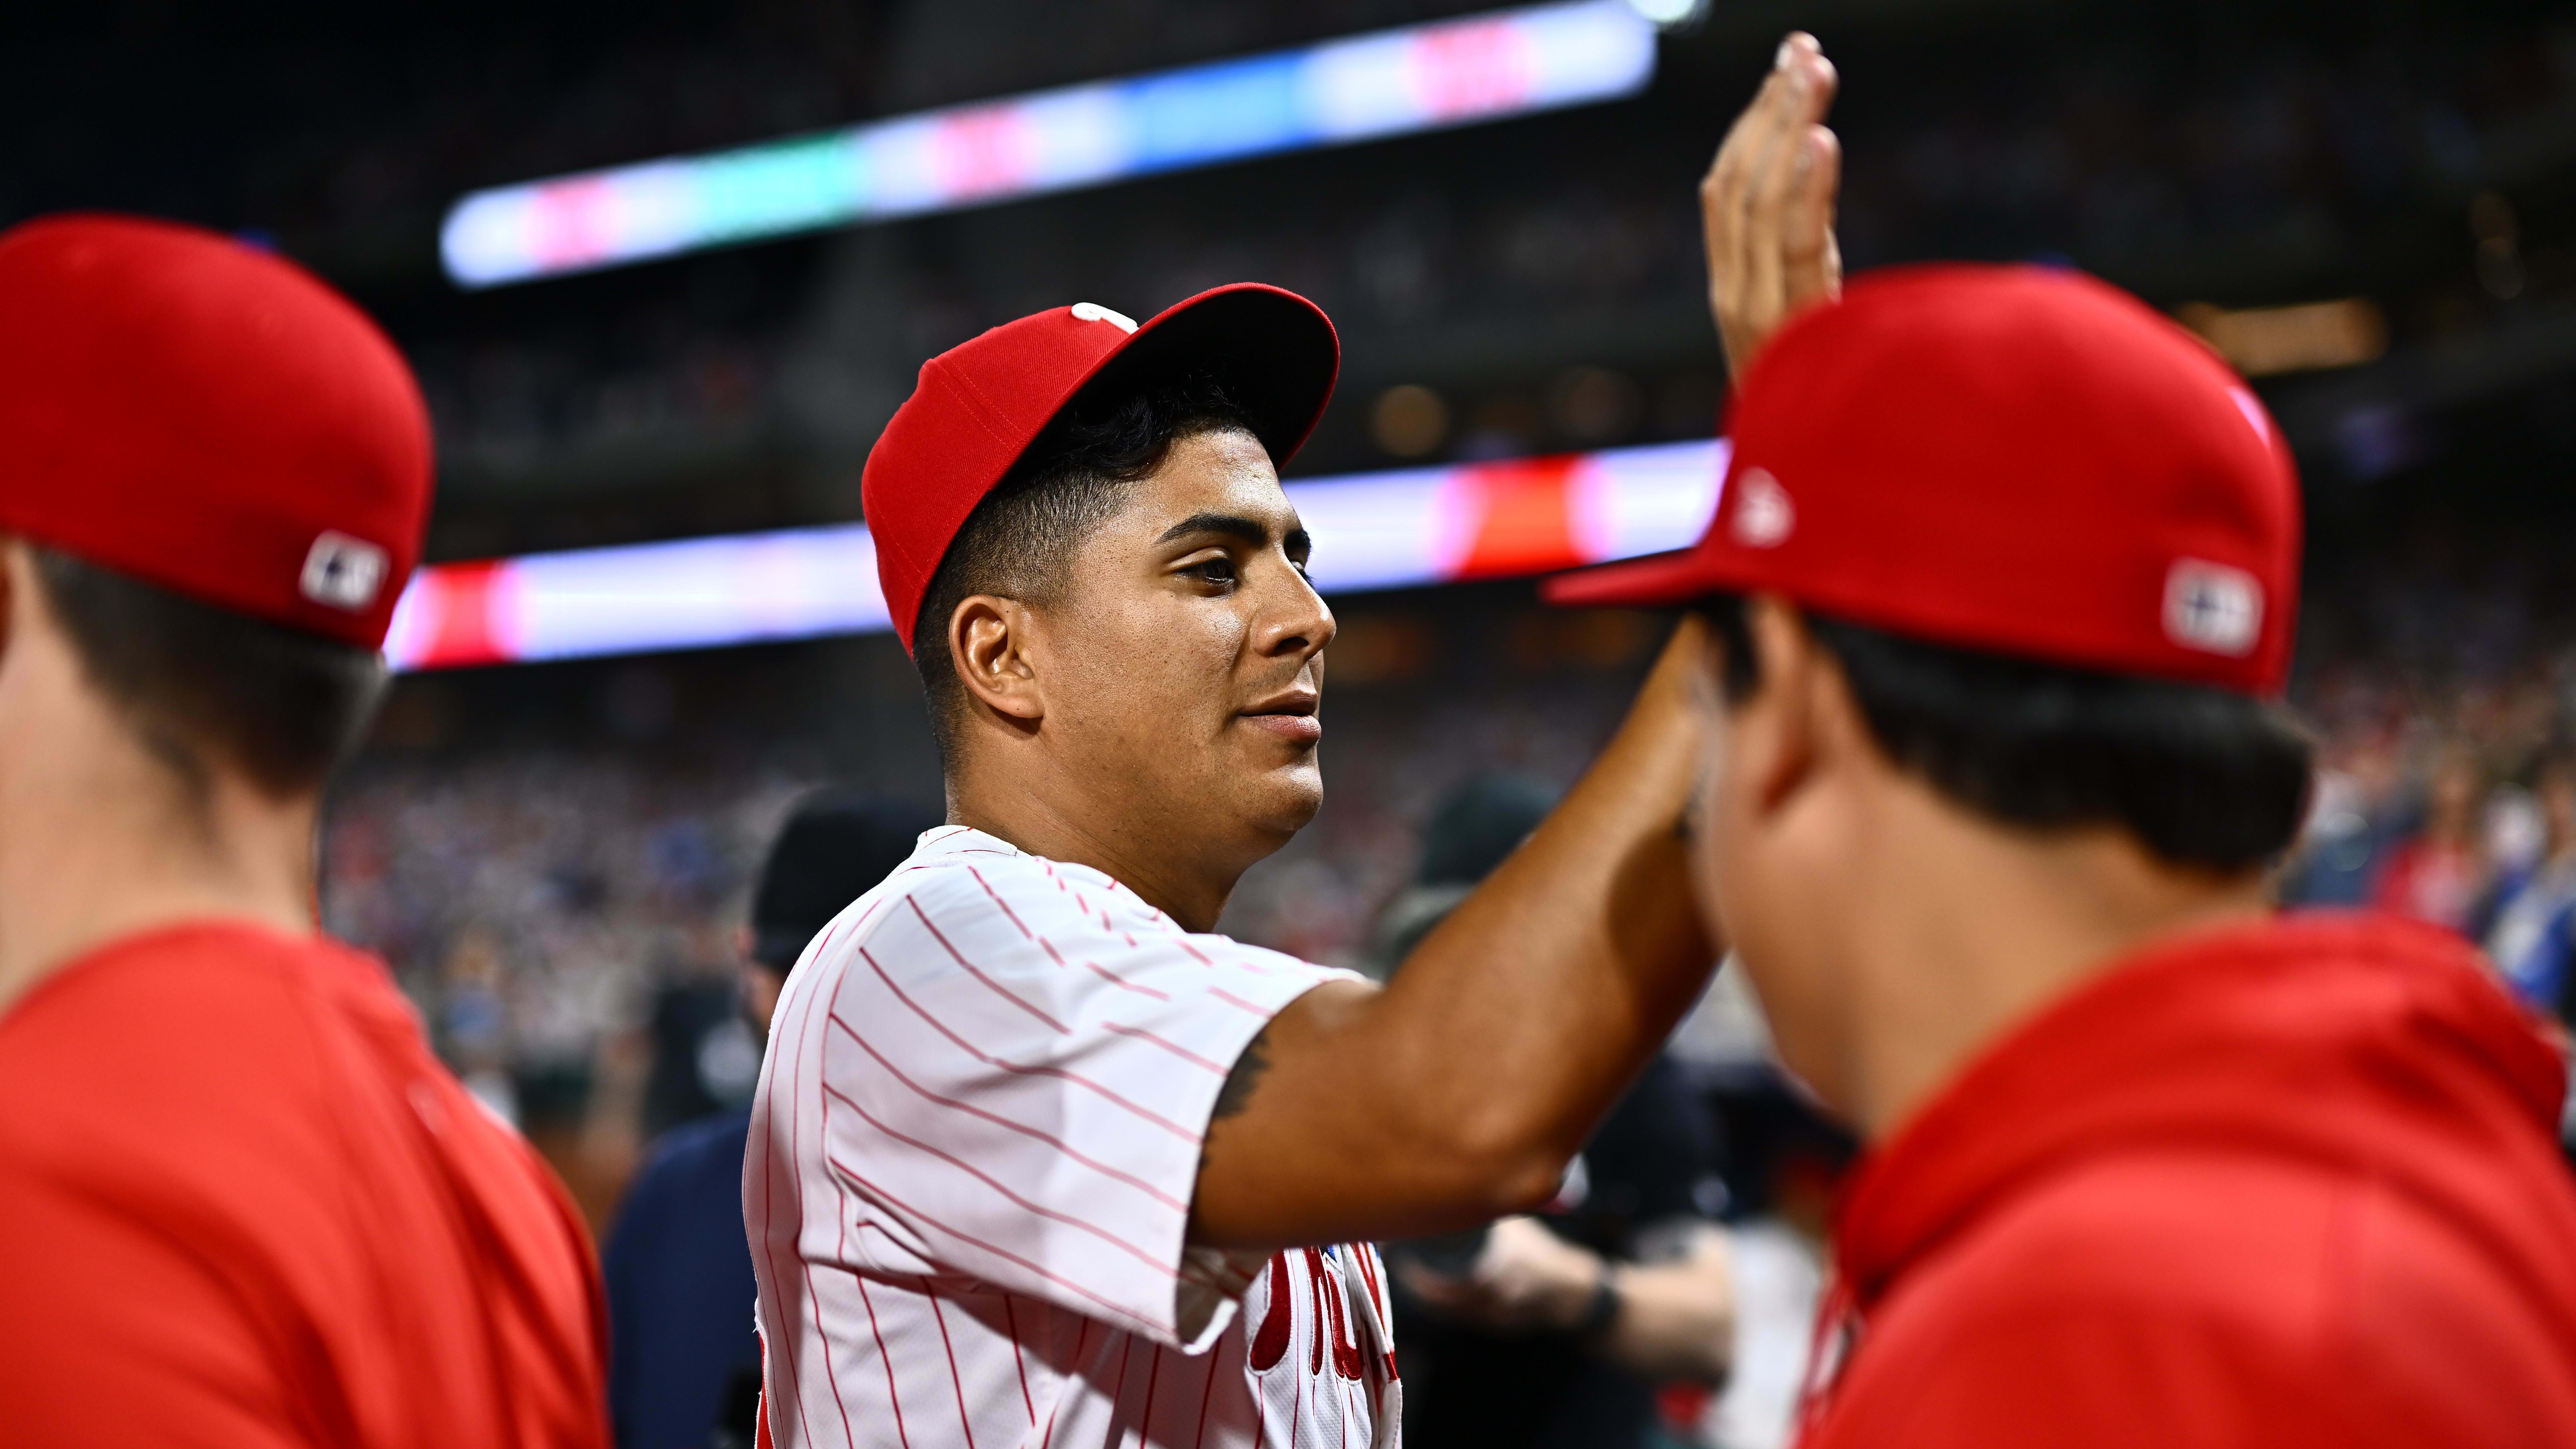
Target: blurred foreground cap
{"type": "Point", "coordinates": [2014, 459]}
{"type": "Point", "coordinates": [981, 403]}
{"type": "Point", "coordinates": [195, 413]}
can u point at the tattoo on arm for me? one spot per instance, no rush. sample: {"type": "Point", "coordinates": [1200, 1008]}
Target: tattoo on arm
{"type": "Point", "coordinates": [1243, 1080]}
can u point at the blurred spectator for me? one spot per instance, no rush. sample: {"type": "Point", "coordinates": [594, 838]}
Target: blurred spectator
{"type": "Point", "coordinates": [1555, 1330]}
{"type": "Point", "coordinates": [2533, 940]}
{"type": "Point", "coordinates": [684, 1369]}
{"type": "Point", "coordinates": [2439, 875]}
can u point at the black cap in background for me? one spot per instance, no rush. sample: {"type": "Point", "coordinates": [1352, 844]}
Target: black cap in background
{"type": "Point", "coordinates": [835, 847]}
{"type": "Point", "coordinates": [1481, 822]}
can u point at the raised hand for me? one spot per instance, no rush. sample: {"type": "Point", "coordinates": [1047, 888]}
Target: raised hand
{"type": "Point", "coordinates": [1767, 205]}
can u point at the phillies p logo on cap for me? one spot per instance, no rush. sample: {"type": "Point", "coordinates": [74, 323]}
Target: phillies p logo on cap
{"type": "Point", "coordinates": [1764, 517]}
{"type": "Point", "coordinates": [981, 403]}
{"type": "Point", "coordinates": [1094, 312]}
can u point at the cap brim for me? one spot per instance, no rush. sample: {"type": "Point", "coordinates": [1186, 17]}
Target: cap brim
{"type": "Point", "coordinates": [1273, 352]}
{"type": "Point", "coordinates": [1654, 582]}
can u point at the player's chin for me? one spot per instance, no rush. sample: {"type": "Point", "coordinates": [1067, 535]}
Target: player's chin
{"type": "Point", "coordinates": [1284, 799]}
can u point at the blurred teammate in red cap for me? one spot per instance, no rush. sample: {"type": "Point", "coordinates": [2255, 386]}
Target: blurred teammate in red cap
{"type": "Point", "coordinates": [240, 1202]}
{"type": "Point", "coordinates": [2001, 585]}
{"type": "Point", "coordinates": [1038, 1158]}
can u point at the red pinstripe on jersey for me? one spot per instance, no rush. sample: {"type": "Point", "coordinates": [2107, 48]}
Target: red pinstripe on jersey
{"type": "Point", "coordinates": [1059, 1144]}
{"type": "Point", "coordinates": [1185, 1133]}
{"type": "Point", "coordinates": [966, 1058]}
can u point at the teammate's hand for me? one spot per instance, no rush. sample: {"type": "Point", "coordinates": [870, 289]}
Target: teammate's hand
{"type": "Point", "coordinates": [1526, 1279]}
{"type": "Point", "coordinates": [1767, 205]}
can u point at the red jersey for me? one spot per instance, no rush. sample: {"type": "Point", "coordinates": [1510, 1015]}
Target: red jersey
{"type": "Point", "coordinates": [2293, 1184]}
{"type": "Point", "coordinates": [242, 1205]}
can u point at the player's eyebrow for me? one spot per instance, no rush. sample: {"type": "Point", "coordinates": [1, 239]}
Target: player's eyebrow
{"type": "Point", "coordinates": [1297, 543]}
{"type": "Point", "coordinates": [1228, 525]}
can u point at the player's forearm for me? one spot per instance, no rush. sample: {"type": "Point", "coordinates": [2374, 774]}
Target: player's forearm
{"type": "Point", "coordinates": [1531, 1008]}
{"type": "Point", "coordinates": [1460, 1092]}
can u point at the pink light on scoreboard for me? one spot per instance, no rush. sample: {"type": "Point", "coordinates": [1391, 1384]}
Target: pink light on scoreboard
{"type": "Point", "coordinates": [1392, 530]}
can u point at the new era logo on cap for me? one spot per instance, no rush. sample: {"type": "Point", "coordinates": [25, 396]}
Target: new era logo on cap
{"type": "Point", "coordinates": [343, 572]}
{"type": "Point", "coordinates": [2214, 608]}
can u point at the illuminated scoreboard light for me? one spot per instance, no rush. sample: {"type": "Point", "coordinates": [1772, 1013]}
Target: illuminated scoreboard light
{"type": "Point", "coordinates": [1392, 530]}
{"type": "Point", "coordinates": [1392, 83]}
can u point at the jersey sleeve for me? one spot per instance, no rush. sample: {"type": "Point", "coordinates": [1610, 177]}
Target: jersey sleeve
{"type": "Point", "coordinates": [1019, 1061]}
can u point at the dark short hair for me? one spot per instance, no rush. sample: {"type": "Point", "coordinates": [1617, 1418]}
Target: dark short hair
{"type": "Point", "coordinates": [836, 846]}
{"type": "Point", "coordinates": [2201, 776]}
{"type": "Point", "coordinates": [205, 688]}
{"type": "Point", "coordinates": [1020, 541]}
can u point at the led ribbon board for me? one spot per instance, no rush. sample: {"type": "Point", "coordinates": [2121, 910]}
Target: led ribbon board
{"type": "Point", "coordinates": [1391, 83]}
{"type": "Point", "coordinates": [1372, 531]}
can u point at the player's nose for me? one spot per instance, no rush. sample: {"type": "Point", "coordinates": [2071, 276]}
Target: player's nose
{"type": "Point", "coordinates": [1296, 622]}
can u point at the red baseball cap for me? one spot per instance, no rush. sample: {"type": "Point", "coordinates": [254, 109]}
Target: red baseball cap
{"type": "Point", "coordinates": [2016, 459]}
{"type": "Point", "coordinates": [981, 403]}
{"type": "Point", "coordinates": [210, 418]}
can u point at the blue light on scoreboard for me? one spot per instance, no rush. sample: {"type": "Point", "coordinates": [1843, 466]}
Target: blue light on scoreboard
{"type": "Point", "coordinates": [1391, 83]}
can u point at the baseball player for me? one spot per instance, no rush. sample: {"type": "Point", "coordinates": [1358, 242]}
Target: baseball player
{"type": "Point", "coordinates": [241, 1204]}
{"type": "Point", "coordinates": [1039, 1159]}
{"type": "Point", "coordinates": [2001, 585]}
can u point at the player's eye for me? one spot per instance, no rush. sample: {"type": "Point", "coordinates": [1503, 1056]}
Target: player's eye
{"type": "Point", "coordinates": [1217, 570]}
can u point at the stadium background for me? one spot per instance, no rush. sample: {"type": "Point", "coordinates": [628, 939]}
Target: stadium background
{"type": "Point", "coordinates": [555, 856]}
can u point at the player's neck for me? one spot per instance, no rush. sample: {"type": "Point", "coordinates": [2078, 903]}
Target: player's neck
{"type": "Point", "coordinates": [101, 840]}
{"type": "Point", "coordinates": [1061, 820]}
{"type": "Point", "coordinates": [1966, 929]}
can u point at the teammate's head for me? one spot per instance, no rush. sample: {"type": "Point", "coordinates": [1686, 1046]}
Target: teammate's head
{"type": "Point", "coordinates": [214, 473]}
{"type": "Point", "coordinates": [2003, 571]}
{"type": "Point", "coordinates": [205, 689]}
{"type": "Point", "coordinates": [836, 846]}
{"type": "Point", "coordinates": [1082, 538]}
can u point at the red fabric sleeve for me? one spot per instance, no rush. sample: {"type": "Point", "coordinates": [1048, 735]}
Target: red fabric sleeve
{"type": "Point", "coordinates": [117, 1332]}
{"type": "Point", "coordinates": [2075, 1376]}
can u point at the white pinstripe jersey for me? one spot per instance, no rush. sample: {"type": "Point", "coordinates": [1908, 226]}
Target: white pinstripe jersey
{"type": "Point", "coordinates": [970, 1171]}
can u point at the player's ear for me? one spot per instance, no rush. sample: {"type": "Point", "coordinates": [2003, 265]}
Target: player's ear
{"type": "Point", "coordinates": [988, 643]}
{"type": "Point", "coordinates": [1786, 716]}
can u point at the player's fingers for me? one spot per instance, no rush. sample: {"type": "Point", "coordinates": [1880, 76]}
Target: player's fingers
{"type": "Point", "coordinates": [1810, 261]}
{"type": "Point", "coordinates": [1723, 189]}
{"type": "Point", "coordinates": [1824, 82]}
{"type": "Point", "coordinates": [1780, 182]}
{"type": "Point", "coordinates": [1721, 192]}
{"type": "Point", "coordinates": [1774, 119]}
{"type": "Point", "coordinates": [1766, 200]}
{"type": "Point", "coordinates": [1770, 109]}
